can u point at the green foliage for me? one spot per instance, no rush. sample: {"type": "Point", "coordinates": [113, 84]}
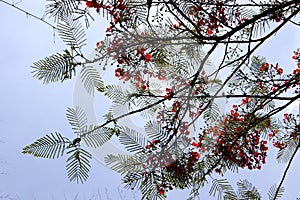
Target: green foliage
{"type": "Point", "coordinates": [222, 188]}
{"type": "Point", "coordinates": [49, 146]}
{"type": "Point", "coordinates": [95, 136]}
{"type": "Point", "coordinates": [285, 154]}
{"type": "Point", "coordinates": [91, 79]}
{"type": "Point", "coordinates": [272, 192]}
{"type": "Point", "coordinates": [60, 8]}
{"type": "Point", "coordinates": [125, 163]}
{"type": "Point", "coordinates": [246, 190]}
{"type": "Point", "coordinates": [211, 114]}
{"type": "Point", "coordinates": [149, 189]}
{"type": "Point", "coordinates": [71, 32]}
{"type": "Point", "coordinates": [78, 164]}
{"type": "Point", "coordinates": [154, 131]}
{"type": "Point", "coordinates": [116, 93]}
{"type": "Point", "coordinates": [132, 140]}
{"type": "Point", "coordinates": [57, 67]}
{"type": "Point", "coordinates": [77, 118]}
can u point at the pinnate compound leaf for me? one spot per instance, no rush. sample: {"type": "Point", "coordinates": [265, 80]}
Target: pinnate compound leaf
{"type": "Point", "coordinates": [125, 163]}
{"type": "Point", "coordinates": [71, 31]}
{"type": "Point", "coordinates": [221, 187]}
{"type": "Point", "coordinates": [246, 190]}
{"type": "Point", "coordinates": [95, 137]}
{"type": "Point", "coordinates": [57, 67]}
{"type": "Point", "coordinates": [91, 79]}
{"type": "Point", "coordinates": [50, 146]}
{"type": "Point", "coordinates": [77, 118]}
{"type": "Point", "coordinates": [78, 164]}
{"type": "Point", "coordinates": [272, 192]}
{"type": "Point", "coordinates": [284, 155]}
{"type": "Point", "coordinates": [132, 140]}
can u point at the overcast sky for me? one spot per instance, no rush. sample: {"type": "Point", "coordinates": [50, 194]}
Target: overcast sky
{"type": "Point", "coordinates": [29, 110]}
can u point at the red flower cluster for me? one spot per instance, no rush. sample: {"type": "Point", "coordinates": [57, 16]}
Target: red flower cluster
{"type": "Point", "coordinates": [296, 57]}
{"type": "Point", "coordinates": [213, 17]}
{"type": "Point", "coordinates": [184, 128]}
{"type": "Point", "coordinates": [264, 67]}
{"type": "Point", "coordinates": [162, 75]}
{"type": "Point", "coordinates": [152, 144]}
{"type": "Point", "coordinates": [146, 57]}
{"type": "Point", "coordinates": [248, 151]}
{"type": "Point", "coordinates": [169, 94]}
{"type": "Point", "coordinates": [94, 4]}
{"type": "Point", "coordinates": [175, 106]}
{"type": "Point", "coordinates": [122, 74]}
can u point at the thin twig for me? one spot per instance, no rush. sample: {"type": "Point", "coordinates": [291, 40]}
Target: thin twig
{"type": "Point", "coordinates": [28, 13]}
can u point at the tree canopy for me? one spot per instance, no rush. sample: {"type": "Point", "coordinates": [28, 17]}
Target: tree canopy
{"type": "Point", "coordinates": [161, 53]}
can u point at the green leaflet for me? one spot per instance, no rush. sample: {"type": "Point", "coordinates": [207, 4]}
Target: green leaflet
{"type": "Point", "coordinates": [57, 67]}
{"type": "Point", "coordinates": [78, 164]}
{"type": "Point", "coordinates": [246, 190]}
{"type": "Point", "coordinates": [91, 79]}
{"type": "Point", "coordinates": [71, 32]}
{"type": "Point", "coordinates": [95, 137]}
{"type": "Point", "coordinates": [220, 187]}
{"type": "Point", "coordinates": [77, 118]}
{"type": "Point", "coordinates": [50, 146]}
{"type": "Point", "coordinates": [132, 140]}
{"type": "Point", "coordinates": [272, 192]}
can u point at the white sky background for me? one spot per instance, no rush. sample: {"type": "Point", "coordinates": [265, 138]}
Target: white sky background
{"type": "Point", "coordinates": [29, 110]}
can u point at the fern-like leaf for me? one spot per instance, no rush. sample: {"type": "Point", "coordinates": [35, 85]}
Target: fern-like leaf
{"type": "Point", "coordinates": [57, 67]}
{"type": "Point", "coordinates": [149, 190]}
{"type": "Point", "coordinates": [78, 164]}
{"type": "Point", "coordinates": [155, 131]}
{"type": "Point", "coordinates": [97, 136]}
{"type": "Point", "coordinates": [272, 192]}
{"type": "Point", "coordinates": [51, 146]}
{"type": "Point", "coordinates": [132, 140]}
{"type": "Point", "coordinates": [60, 8]}
{"type": "Point", "coordinates": [116, 93]}
{"type": "Point", "coordinates": [71, 32]}
{"type": "Point", "coordinates": [91, 79]}
{"type": "Point", "coordinates": [221, 187]}
{"type": "Point", "coordinates": [247, 191]}
{"type": "Point", "coordinates": [284, 155]}
{"type": "Point", "coordinates": [211, 114]}
{"type": "Point", "coordinates": [77, 118]}
{"type": "Point", "coordinates": [125, 163]}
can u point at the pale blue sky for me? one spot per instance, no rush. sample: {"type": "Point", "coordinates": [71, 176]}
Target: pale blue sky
{"type": "Point", "coordinates": [29, 110]}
